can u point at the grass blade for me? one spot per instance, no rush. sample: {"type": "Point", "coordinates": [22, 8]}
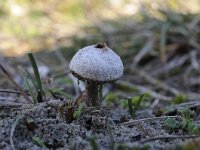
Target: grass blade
{"type": "Point", "coordinates": [130, 105]}
{"type": "Point", "coordinates": [28, 75]}
{"type": "Point", "coordinates": [132, 110]}
{"type": "Point", "coordinates": [138, 104]}
{"type": "Point", "coordinates": [93, 143]}
{"type": "Point", "coordinates": [36, 73]}
{"type": "Point", "coordinates": [163, 40]}
{"type": "Point", "coordinates": [30, 91]}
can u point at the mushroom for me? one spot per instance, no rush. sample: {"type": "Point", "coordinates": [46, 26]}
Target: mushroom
{"type": "Point", "coordinates": [95, 65]}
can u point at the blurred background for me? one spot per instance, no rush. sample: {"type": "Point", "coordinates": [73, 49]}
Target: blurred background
{"type": "Point", "coordinates": [43, 25]}
{"type": "Point", "coordinates": [158, 41]}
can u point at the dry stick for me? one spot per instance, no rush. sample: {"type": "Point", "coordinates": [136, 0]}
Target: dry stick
{"type": "Point", "coordinates": [11, 91]}
{"type": "Point", "coordinates": [3, 98]}
{"type": "Point", "coordinates": [154, 103]}
{"type": "Point", "coordinates": [97, 108]}
{"type": "Point", "coordinates": [147, 119]}
{"type": "Point", "coordinates": [194, 43]}
{"type": "Point", "coordinates": [15, 84]}
{"type": "Point", "coordinates": [9, 104]}
{"type": "Point", "coordinates": [189, 105]}
{"type": "Point", "coordinates": [157, 82]}
{"type": "Point", "coordinates": [147, 47]}
{"type": "Point", "coordinates": [152, 93]}
{"type": "Point", "coordinates": [169, 137]}
{"type": "Point", "coordinates": [192, 95]}
{"type": "Point", "coordinates": [194, 61]}
{"type": "Point", "coordinates": [173, 64]}
{"type": "Point", "coordinates": [144, 89]}
{"type": "Point", "coordinates": [193, 81]}
{"type": "Point", "coordinates": [12, 132]}
{"type": "Point", "coordinates": [163, 86]}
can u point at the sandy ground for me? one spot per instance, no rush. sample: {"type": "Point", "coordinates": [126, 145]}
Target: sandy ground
{"type": "Point", "coordinates": [34, 127]}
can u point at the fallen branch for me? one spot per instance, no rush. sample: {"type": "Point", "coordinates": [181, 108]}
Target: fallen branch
{"type": "Point", "coordinates": [156, 95]}
{"type": "Point", "coordinates": [8, 75]}
{"type": "Point", "coordinates": [156, 82]}
{"type": "Point", "coordinates": [169, 137]}
{"type": "Point", "coordinates": [12, 133]}
{"type": "Point", "coordinates": [144, 89]}
{"type": "Point", "coordinates": [147, 47]}
{"type": "Point", "coordinates": [177, 62]}
{"type": "Point", "coordinates": [11, 91]}
{"type": "Point", "coordinates": [174, 108]}
{"type": "Point", "coordinates": [148, 119]}
{"type": "Point", "coordinates": [7, 103]}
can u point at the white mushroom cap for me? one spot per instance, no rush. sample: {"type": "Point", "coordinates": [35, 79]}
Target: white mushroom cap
{"type": "Point", "coordinates": [97, 63]}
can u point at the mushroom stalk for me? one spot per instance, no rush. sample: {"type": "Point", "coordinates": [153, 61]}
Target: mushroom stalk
{"type": "Point", "coordinates": [92, 94]}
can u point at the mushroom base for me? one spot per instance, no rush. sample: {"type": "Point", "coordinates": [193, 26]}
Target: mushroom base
{"type": "Point", "coordinates": [93, 94]}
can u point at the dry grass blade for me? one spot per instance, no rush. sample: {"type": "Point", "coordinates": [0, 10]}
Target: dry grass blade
{"type": "Point", "coordinates": [31, 92]}
{"type": "Point", "coordinates": [11, 91]}
{"type": "Point", "coordinates": [144, 89]}
{"type": "Point", "coordinates": [9, 105]}
{"type": "Point", "coordinates": [169, 137]}
{"type": "Point", "coordinates": [15, 84]}
{"type": "Point", "coordinates": [147, 119]}
{"type": "Point", "coordinates": [157, 82]}
{"type": "Point", "coordinates": [147, 47]}
{"type": "Point", "coordinates": [175, 63]}
{"type": "Point", "coordinates": [163, 38]}
{"type": "Point", "coordinates": [12, 132]}
{"type": "Point", "coordinates": [81, 98]}
{"type": "Point", "coordinates": [194, 60]}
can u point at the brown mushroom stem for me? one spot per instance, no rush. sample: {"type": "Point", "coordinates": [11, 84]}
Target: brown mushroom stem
{"type": "Point", "coordinates": [92, 94]}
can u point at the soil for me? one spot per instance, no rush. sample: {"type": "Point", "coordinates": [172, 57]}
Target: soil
{"type": "Point", "coordinates": [41, 126]}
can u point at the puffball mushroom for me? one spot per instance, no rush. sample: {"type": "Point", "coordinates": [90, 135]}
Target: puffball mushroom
{"type": "Point", "coordinates": [95, 65]}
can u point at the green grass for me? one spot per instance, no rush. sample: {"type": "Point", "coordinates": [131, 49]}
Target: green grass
{"type": "Point", "coordinates": [36, 75]}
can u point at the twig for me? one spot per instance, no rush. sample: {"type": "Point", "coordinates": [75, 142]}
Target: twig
{"type": "Point", "coordinates": [11, 91]}
{"type": "Point", "coordinates": [173, 64]}
{"type": "Point", "coordinates": [157, 82]}
{"type": "Point", "coordinates": [144, 89]}
{"type": "Point", "coordinates": [15, 84]}
{"type": "Point", "coordinates": [147, 119]}
{"type": "Point", "coordinates": [155, 103]}
{"type": "Point", "coordinates": [194, 44]}
{"type": "Point", "coordinates": [154, 94]}
{"type": "Point", "coordinates": [193, 95]}
{"type": "Point", "coordinates": [169, 137]}
{"type": "Point", "coordinates": [12, 132]}
{"type": "Point", "coordinates": [192, 81]}
{"type": "Point", "coordinates": [194, 61]}
{"type": "Point", "coordinates": [147, 47]}
{"type": "Point", "coordinates": [8, 104]}
{"type": "Point", "coordinates": [174, 108]}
